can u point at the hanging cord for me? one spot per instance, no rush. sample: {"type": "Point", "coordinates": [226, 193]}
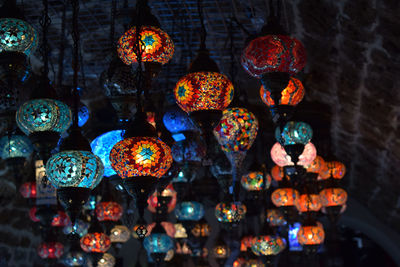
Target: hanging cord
{"type": "Point", "coordinates": [62, 46]}
{"type": "Point", "coordinates": [44, 22]}
{"type": "Point", "coordinates": [112, 25]}
{"type": "Point", "coordinates": [138, 51]}
{"type": "Point", "coordinates": [75, 63]}
{"type": "Point", "coordinates": [203, 35]}
{"type": "Point", "coordinates": [232, 70]}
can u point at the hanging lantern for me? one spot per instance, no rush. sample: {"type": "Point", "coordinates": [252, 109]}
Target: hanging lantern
{"type": "Point", "coordinates": [28, 190]}
{"type": "Point", "coordinates": [308, 202]}
{"type": "Point", "coordinates": [95, 243]}
{"type": "Point", "coordinates": [275, 218]}
{"type": "Point", "coordinates": [120, 234]}
{"type": "Point", "coordinates": [168, 194]}
{"type": "Point", "coordinates": [107, 260]}
{"type": "Point", "coordinates": [310, 235]}
{"type": "Point", "coordinates": [254, 181]}
{"type": "Point", "coordinates": [319, 166]}
{"type": "Point", "coordinates": [230, 212]}
{"type": "Point", "coordinates": [15, 146]}
{"type": "Point", "coordinates": [293, 133]}
{"type": "Point", "coordinates": [177, 121]}
{"type": "Point", "coordinates": [333, 197]}
{"type": "Point", "coordinates": [267, 245]}
{"type": "Point", "coordinates": [157, 46]}
{"type": "Point", "coordinates": [336, 169]}
{"type": "Point", "coordinates": [159, 242]}
{"type": "Point", "coordinates": [283, 197]}
{"type": "Point", "coordinates": [80, 228]}
{"type": "Point", "coordinates": [60, 220]}
{"type": "Point", "coordinates": [189, 211]}
{"type": "Point", "coordinates": [17, 35]}
{"type": "Point", "coordinates": [281, 158]}
{"type": "Point", "coordinates": [108, 211]}
{"type": "Point", "coordinates": [50, 250]}
{"type": "Point", "coordinates": [74, 258]}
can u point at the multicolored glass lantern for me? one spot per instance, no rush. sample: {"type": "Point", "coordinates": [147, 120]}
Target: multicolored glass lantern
{"type": "Point", "coordinates": [141, 156]}
{"type": "Point", "coordinates": [120, 234]}
{"type": "Point", "coordinates": [189, 211]}
{"type": "Point", "coordinates": [331, 197]}
{"type": "Point", "coordinates": [107, 260]}
{"type": "Point", "coordinates": [74, 258]}
{"type": "Point", "coordinates": [102, 145]}
{"type": "Point", "coordinates": [156, 44]}
{"type": "Point", "coordinates": [275, 218]}
{"type": "Point", "coordinates": [74, 169]}
{"type": "Point", "coordinates": [191, 150]}
{"type": "Point", "coordinates": [158, 243]}
{"type": "Point", "coordinates": [311, 234]}
{"type": "Point", "coordinates": [318, 165]}
{"type": "Point", "coordinates": [50, 250]}
{"type": "Point", "coordinates": [266, 245]}
{"type": "Point", "coordinates": [108, 211]}
{"type": "Point", "coordinates": [242, 262]}
{"type": "Point", "coordinates": [254, 181]}
{"type": "Point", "coordinates": [278, 173]}
{"type": "Point", "coordinates": [221, 251]}
{"type": "Point", "coordinates": [95, 242]}
{"type": "Point", "coordinates": [28, 190]}
{"type": "Point", "coordinates": [273, 53]}
{"type": "Point", "coordinates": [229, 212]}
{"type": "Point", "coordinates": [283, 197]}
{"type": "Point", "coordinates": [17, 35]}
{"type": "Point", "coordinates": [281, 158]}
{"type": "Point", "coordinates": [246, 242]}
{"type": "Point", "coordinates": [80, 227]}
{"type": "Point", "coordinates": [203, 91]}
{"type": "Point", "coordinates": [293, 133]}
{"type": "Point", "coordinates": [291, 95]}
{"type": "Point", "coordinates": [39, 115]}
{"type": "Point", "coordinates": [308, 202]}
{"type": "Point", "coordinates": [169, 191]}
{"type": "Point", "coordinates": [336, 169]}
{"type": "Point", "coordinates": [176, 121]}
{"type": "Point", "coordinates": [15, 146]}
{"type": "Point", "coordinates": [60, 220]}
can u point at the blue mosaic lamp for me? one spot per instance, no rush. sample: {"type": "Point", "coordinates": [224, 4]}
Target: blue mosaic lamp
{"type": "Point", "coordinates": [101, 147]}
{"type": "Point", "coordinates": [293, 133]}
{"type": "Point", "coordinates": [15, 146]}
{"type": "Point", "coordinates": [177, 121]}
{"type": "Point", "coordinates": [158, 243]}
{"type": "Point", "coordinates": [83, 115]}
{"type": "Point", "coordinates": [17, 35]}
{"type": "Point", "coordinates": [189, 211]}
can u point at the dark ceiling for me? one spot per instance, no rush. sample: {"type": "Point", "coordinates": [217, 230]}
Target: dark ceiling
{"type": "Point", "coordinates": [353, 68]}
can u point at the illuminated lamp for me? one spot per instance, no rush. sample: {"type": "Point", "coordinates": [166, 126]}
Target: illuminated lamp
{"type": "Point", "coordinates": [74, 258]}
{"type": "Point", "coordinates": [107, 260]}
{"type": "Point", "coordinates": [267, 245]}
{"type": "Point", "coordinates": [282, 105]}
{"type": "Point", "coordinates": [60, 220]}
{"type": "Point", "coordinates": [254, 181]}
{"type": "Point", "coordinates": [278, 173]}
{"type": "Point", "coordinates": [311, 236]}
{"type": "Point", "coordinates": [15, 146]}
{"type": "Point", "coordinates": [158, 243]}
{"type": "Point", "coordinates": [230, 212]}
{"type": "Point", "coordinates": [50, 250]}
{"type": "Point", "coordinates": [95, 243]}
{"type": "Point", "coordinates": [284, 197]}
{"type": "Point", "coordinates": [120, 234]}
{"type": "Point", "coordinates": [80, 228]}
{"type": "Point", "coordinates": [308, 203]}
{"type": "Point", "coordinates": [189, 211]}
{"type": "Point", "coordinates": [336, 169]}
{"type": "Point", "coordinates": [168, 198]}
{"type": "Point", "coordinates": [332, 197]}
{"type": "Point", "coordinates": [220, 251]}
{"type": "Point", "coordinates": [108, 211]}
{"type": "Point", "coordinates": [28, 190]}
{"type": "Point", "coordinates": [275, 218]}
{"type": "Point", "coordinates": [177, 121]}
{"type": "Point", "coordinates": [319, 167]}
{"type": "Point", "coordinates": [246, 242]}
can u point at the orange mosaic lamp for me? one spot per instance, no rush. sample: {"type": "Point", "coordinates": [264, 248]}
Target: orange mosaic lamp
{"type": "Point", "coordinates": [332, 197]}
{"type": "Point", "coordinates": [108, 211]}
{"type": "Point", "coordinates": [284, 197]}
{"type": "Point", "coordinates": [336, 169]}
{"type": "Point", "coordinates": [308, 202]}
{"type": "Point", "coordinates": [310, 235]}
{"type": "Point", "coordinates": [95, 243]}
{"type": "Point", "coordinates": [156, 45]}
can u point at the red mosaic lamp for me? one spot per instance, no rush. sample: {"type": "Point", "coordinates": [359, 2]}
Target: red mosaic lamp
{"type": "Point", "coordinates": [108, 211]}
{"type": "Point", "coordinates": [311, 235]}
{"type": "Point", "coordinates": [50, 250]}
{"type": "Point", "coordinates": [28, 190]}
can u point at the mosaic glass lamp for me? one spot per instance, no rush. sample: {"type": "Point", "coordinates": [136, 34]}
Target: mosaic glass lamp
{"type": "Point", "coordinates": [308, 203]}
{"type": "Point", "coordinates": [310, 236]}
{"type": "Point", "coordinates": [74, 258]}
{"type": "Point", "coordinates": [158, 244]}
{"type": "Point", "coordinates": [95, 242]}
{"type": "Point", "coordinates": [284, 197]}
{"type": "Point", "coordinates": [255, 181]}
{"type": "Point", "coordinates": [266, 245]}
{"type": "Point", "coordinates": [120, 234]}
{"type": "Point", "coordinates": [332, 197]}
{"type": "Point", "coordinates": [275, 218]}
{"type": "Point", "coordinates": [281, 158]}
{"type": "Point", "coordinates": [50, 250]}
{"type": "Point", "coordinates": [17, 35]}
{"type": "Point", "coordinates": [230, 212]}
{"type": "Point", "coordinates": [337, 169]}
{"type": "Point", "coordinates": [177, 121]}
{"type": "Point", "coordinates": [28, 190]}
{"type": "Point", "coordinates": [108, 211]}
{"type": "Point", "coordinates": [220, 251]}
{"type": "Point", "coordinates": [293, 133]}
{"type": "Point", "coordinates": [278, 173]}
{"type": "Point", "coordinates": [15, 146]}
{"type": "Point", "coordinates": [107, 260]}
{"type": "Point", "coordinates": [157, 46]}
{"type": "Point", "coordinates": [101, 147]}
{"type": "Point", "coordinates": [189, 211]}
{"type": "Point", "coordinates": [80, 227]}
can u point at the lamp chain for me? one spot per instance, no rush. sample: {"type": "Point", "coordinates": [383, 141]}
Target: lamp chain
{"type": "Point", "coordinates": [75, 63]}
{"type": "Point", "coordinates": [112, 26]}
{"type": "Point", "coordinates": [44, 22]}
{"type": "Point", "coordinates": [62, 46]}
{"type": "Point", "coordinates": [203, 27]}
{"type": "Point", "coordinates": [138, 51]}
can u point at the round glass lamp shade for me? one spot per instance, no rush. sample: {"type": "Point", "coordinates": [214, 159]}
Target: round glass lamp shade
{"type": "Point", "coordinates": [95, 242]}
{"type": "Point", "coordinates": [50, 250]}
{"type": "Point", "coordinates": [39, 115]}
{"type": "Point", "coordinates": [336, 169]}
{"type": "Point", "coordinates": [331, 197]}
{"type": "Point", "coordinates": [281, 158]}
{"type": "Point", "coordinates": [169, 191]}
{"type": "Point", "coordinates": [311, 235]}
{"type": "Point", "coordinates": [80, 227]}
{"type": "Point", "coordinates": [158, 243]}
{"type": "Point", "coordinates": [141, 156]}
{"type": "Point", "coordinates": [60, 220]}
{"type": "Point", "coordinates": [221, 251]}
{"type": "Point", "coordinates": [294, 132]}
{"type": "Point", "coordinates": [291, 95]}
{"type": "Point", "coordinates": [74, 168]}
{"type": "Point", "coordinates": [189, 211]}
{"type": "Point", "coordinates": [267, 245]}
{"type": "Point", "coordinates": [74, 258]}
{"type": "Point", "coordinates": [188, 150]}
{"type": "Point", "coordinates": [278, 173]}
{"type": "Point", "coordinates": [101, 147]}
{"type": "Point", "coordinates": [176, 121]}
{"type": "Point", "coordinates": [273, 53]}
{"type": "Point", "coordinates": [107, 260]}
{"type": "Point", "coordinates": [120, 234]}
{"type": "Point", "coordinates": [15, 146]}
{"type": "Point", "coordinates": [28, 190]}
{"type": "Point", "coordinates": [17, 36]}
{"type": "Point", "coordinates": [254, 181]}
{"type": "Point", "coordinates": [237, 130]}
{"type": "Point", "coordinates": [246, 242]}
{"type": "Point", "coordinates": [156, 45]}
{"type": "Point", "coordinates": [283, 197]}
{"type": "Point", "coordinates": [230, 212]}
{"type": "Point", "coordinates": [275, 217]}
{"type": "Point", "coordinates": [317, 165]}
{"type": "Point", "coordinates": [203, 91]}
{"type": "Point", "coordinates": [108, 211]}
{"type": "Point", "coordinates": [308, 202]}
